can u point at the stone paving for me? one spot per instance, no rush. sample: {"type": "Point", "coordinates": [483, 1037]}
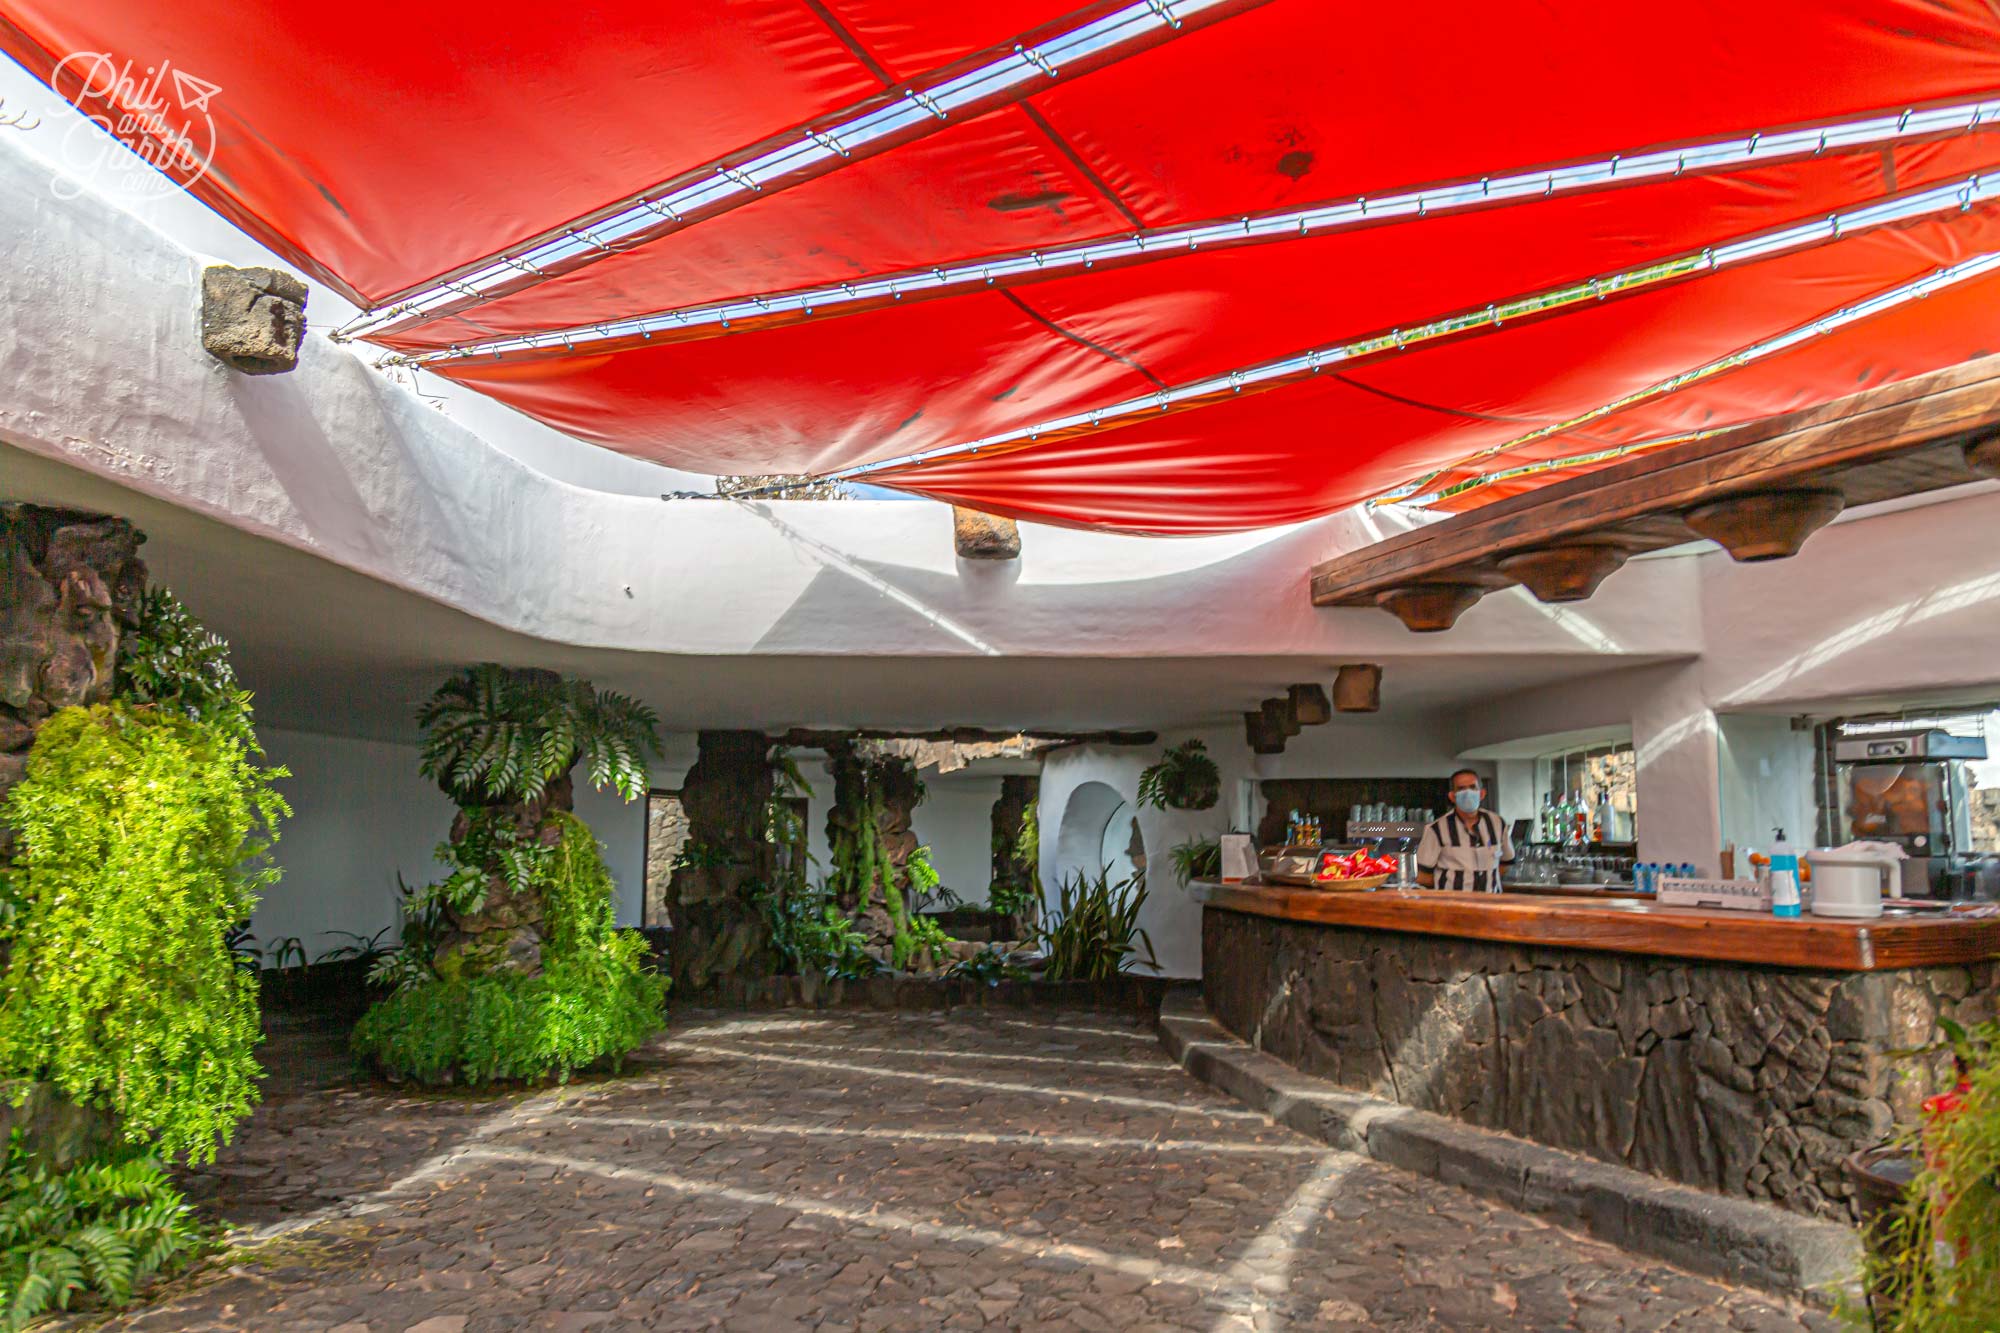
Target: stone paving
{"type": "Point", "coordinates": [1031, 1170]}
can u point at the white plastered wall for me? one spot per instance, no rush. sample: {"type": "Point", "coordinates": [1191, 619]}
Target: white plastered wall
{"type": "Point", "coordinates": [362, 815]}
{"type": "Point", "coordinates": [956, 822]}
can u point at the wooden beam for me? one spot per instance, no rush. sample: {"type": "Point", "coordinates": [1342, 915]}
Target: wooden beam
{"type": "Point", "coordinates": [1921, 434]}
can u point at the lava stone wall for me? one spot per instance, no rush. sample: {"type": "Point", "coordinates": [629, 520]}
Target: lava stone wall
{"type": "Point", "coordinates": [1754, 1081]}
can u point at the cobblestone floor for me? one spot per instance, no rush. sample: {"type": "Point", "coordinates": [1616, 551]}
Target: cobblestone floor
{"type": "Point", "coordinates": [770, 1172]}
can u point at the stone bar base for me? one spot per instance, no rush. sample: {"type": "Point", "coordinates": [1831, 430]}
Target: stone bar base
{"type": "Point", "coordinates": [1733, 1239]}
{"type": "Point", "coordinates": [1752, 1081]}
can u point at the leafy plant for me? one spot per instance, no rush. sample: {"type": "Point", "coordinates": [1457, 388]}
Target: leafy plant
{"type": "Point", "coordinates": [923, 875]}
{"type": "Point", "coordinates": [990, 967]}
{"type": "Point", "coordinates": [700, 856]}
{"type": "Point", "coordinates": [169, 659]}
{"type": "Point", "coordinates": [243, 950]}
{"type": "Point", "coordinates": [812, 936]}
{"type": "Point", "coordinates": [1090, 933]}
{"type": "Point", "coordinates": [783, 824]}
{"type": "Point", "coordinates": [1938, 1257]}
{"type": "Point", "coordinates": [142, 838]}
{"type": "Point", "coordinates": [1028, 844]}
{"type": "Point", "coordinates": [409, 962]}
{"type": "Point", "coordinates": [491, 733]}
{"type": "Point", "coordinates": [1197, 858]}
{"type": "Point", "coordinates": [365, 949]}
{"type": "Point", "coordinates": [100, 1229]}
{"type": "Point", "coordinates": [593, 999]}
{"type": "Point", "coordinates": [927, 890]}
{"type": "Point", "coordinates": [492, 846]}
{"type": "Point", "coordinates": [286, 951]}
{"type": "Point", "coordinates": [1185, 778]}
{"type": "Point", "coordinates": [924, 944]}
{"type": "Point", "coordinates": [1016, 890]}
{"type": "Point", "coordinates": [1009, 899]}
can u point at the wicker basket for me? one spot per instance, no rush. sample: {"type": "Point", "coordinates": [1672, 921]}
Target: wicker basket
{"type": "Point", "coordinates": [1359, 885]}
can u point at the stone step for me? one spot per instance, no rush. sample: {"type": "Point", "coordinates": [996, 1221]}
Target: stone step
{"type": "Point", "coordinates": [1733, 1239]}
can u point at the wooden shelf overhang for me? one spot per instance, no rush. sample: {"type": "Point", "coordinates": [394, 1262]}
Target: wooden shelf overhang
{"type": "Point", "coordinates": [1760, 489]}
{"type": "Point", "coordinates": [1625, 926]}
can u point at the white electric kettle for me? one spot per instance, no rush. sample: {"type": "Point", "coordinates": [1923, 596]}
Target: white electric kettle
{"type": "Point", "coordinates": [1847, 881]}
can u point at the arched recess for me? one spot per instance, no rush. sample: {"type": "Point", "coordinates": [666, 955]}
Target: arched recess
{"type": "Point", "coordinates": [1099, 832]}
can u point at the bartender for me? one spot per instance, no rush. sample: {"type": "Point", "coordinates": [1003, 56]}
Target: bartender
{"type": "Point", "coordinates": [1464, 848]}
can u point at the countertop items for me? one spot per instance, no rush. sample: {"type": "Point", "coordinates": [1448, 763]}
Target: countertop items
{"type": "Point", "coordinates": [1630, 925]}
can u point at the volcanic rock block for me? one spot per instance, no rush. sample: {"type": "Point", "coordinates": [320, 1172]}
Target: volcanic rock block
{"type": "Point", "coordinates": [718, 930]}
{"type": "Point", "coordinates": [984, 536]}
{"type": "Point", "coordinates": [55, 1131]}
{"type": "Point", "coordinates": [252, 319]}
{"type": "Point", "coordinates": [1752, 1081]}
{"type": "Point", "coordinates": [1018, 793]}
{"type": "Point", "coordinates": [70, 586]}
{"type": "Point", "coordinates": [505, 934]}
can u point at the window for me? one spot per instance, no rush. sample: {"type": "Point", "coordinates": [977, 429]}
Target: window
{"type": "Point", "coordinates": [666, 834]}
{"type": "Point", "coordinates": [1595, 772]}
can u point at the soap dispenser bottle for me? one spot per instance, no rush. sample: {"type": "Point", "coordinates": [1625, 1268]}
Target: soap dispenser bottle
{"type": "Point", "coordinates": [1784, 877]}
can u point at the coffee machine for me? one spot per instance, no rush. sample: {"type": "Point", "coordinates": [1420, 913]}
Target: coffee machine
{"type": "Point", "coordinates": [1909, 788]}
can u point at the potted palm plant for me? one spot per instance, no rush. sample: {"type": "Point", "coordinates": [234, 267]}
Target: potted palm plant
{"type": "Point", "coordinates": [1185, 778]}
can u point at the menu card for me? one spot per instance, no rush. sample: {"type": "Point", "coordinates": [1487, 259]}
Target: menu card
{"type": "Point", "coordinates": [1239, 858]}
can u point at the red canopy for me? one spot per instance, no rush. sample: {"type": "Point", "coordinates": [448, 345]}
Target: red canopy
{"type": "Point", "coordinates": [508, 171]}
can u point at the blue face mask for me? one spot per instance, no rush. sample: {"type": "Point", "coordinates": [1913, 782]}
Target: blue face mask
{"type": "Point", "coordinates": [1466, 799]}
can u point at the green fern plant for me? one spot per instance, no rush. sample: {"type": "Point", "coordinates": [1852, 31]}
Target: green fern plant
{"type": "Point", "coordinates": [593, 1000]}
{"type": "Point", "coordinates": [1185, 778]}
{"type": "Point", "coordinates": [99, 1230]}
{"type": "Point", "coordinates": [171, 660]}
{"type": "Point", "coordinates": [142, 840]}
{"type": "Point", "coordinates": [810, 934]}
{"type": "Point", "coordinates": [922, 944]}
{"type": "Point", "coordinates": [492, 733]}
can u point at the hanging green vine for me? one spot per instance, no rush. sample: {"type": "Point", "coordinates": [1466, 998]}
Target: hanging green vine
{"type": "Point", "coordinates": [144, 835]}
{"type": "Point", "coordinates": [862, 862]}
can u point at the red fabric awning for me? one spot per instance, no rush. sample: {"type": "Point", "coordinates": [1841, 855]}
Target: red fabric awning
{"type": "Point", "coordinates": [1319, 445]}
{"type": "Point", "coordinates": [383, 149]}
{"type": "Point", "coordinates": [1959, 324]}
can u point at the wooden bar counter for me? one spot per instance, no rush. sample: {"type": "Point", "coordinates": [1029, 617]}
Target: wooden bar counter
{"type": "Point", "coordinates": [1730, 1050]}
{"type": "Point", "coordinates": [1628, 925]}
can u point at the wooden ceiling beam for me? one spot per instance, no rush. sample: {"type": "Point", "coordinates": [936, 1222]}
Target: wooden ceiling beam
{"type": "Point", "coordinates": [1922, 434]}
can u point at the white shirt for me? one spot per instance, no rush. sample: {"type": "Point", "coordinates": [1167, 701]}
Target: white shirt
{"type": "Point", "coordinates": [1462, 857]}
